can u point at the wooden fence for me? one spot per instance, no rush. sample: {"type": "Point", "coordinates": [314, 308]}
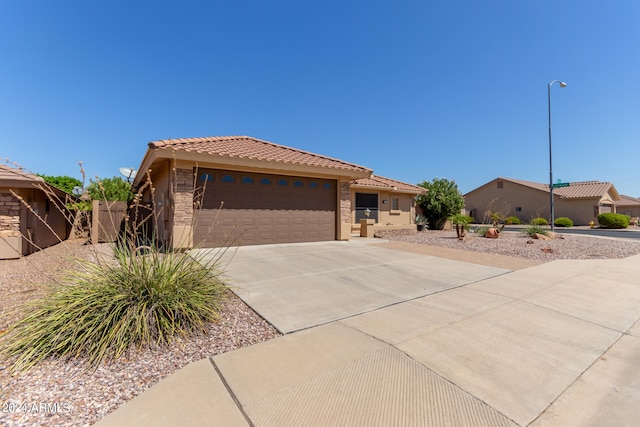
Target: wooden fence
{"type": "Point", "coordinates": [106, 220]}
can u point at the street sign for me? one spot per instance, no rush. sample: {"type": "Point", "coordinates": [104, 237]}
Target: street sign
{"type": "Point", "coordinates": [561, 184]}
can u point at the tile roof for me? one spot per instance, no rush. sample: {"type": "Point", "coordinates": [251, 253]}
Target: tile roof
{"type": "Point", "coordinates": [251, 148]}
{"type": "Point", "coordinates": [575, 190]}
{"type": "Point", "coordinates": [628, 201]}
{"type": "Point", "coordinates": [8, 173]}
{"type": "Point", "coordinates": [388, 183]}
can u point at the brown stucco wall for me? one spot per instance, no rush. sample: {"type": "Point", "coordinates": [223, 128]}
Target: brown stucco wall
{"type": "Point", "coordinates": [400, 216]}
{"type": "Point", "coordinates": [579, 211]}
{"type": "Point", "coordinates": [161, 180]}
{"type": "Point", "coordinates": [46, 224]}
{"type": "Point", "coordinates": [35, 227]}
{"type": "Point", "coordinates": [532, 202]}
{"type": "Point", "coordinates": [632, 210]}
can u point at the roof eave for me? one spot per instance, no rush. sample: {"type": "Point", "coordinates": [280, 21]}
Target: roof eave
{"type": "Point", "coordinates": [389, 189]}
{"type": "Point", "coordinates": [153, 154]}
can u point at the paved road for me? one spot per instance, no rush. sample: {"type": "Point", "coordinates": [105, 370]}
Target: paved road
{"type": "Point", "coordinates": [597, 232]}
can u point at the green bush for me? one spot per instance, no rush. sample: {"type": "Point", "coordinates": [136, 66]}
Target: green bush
{"type": "Point", "coordinates": [441, 201]}
{"type": "Point", "coordinates": [563, 221]}
{"type": "Point", "coordinates": [613, 220]}
{"type": "Point", "coordinates": [63, 182]}
{"type": "Point", "coordinates": [109, 306]}
{"type": "Point", "coordinates": [539, 221]}
{"type": "Point", "coordinates": [535, 229]}
{"type": "Point", "coordinates": [112, 189]}
{"type": "Point", "coordinates": [512, 220]}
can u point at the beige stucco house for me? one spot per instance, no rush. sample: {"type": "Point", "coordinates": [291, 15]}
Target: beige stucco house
{"type": "Point", "coordinates": [390, 203]}
{"type": "Point", "coordinates": [26, 229]}
{"type": "Point", "coordinates": [628, 205]}
{"type": "Point", "coordinates": [582, 202]}
{"type": "Point", "coordinates": [239, 190]}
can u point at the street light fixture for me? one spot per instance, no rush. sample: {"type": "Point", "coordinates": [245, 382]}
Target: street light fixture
{"type": "Point", "coordinates": [562, 84]}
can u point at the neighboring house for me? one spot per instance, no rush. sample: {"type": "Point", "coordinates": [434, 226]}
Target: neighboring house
{"type": "Point", "coordinates": [239, 190]}
{"type": "Point", "coordinates": [628, 205]}
{"type": "Point", "coordinates": [27, 229]}
{"type": "Point", "coordinates": [582, 202]}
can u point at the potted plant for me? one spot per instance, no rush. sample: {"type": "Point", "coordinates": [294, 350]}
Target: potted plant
{"type": "Point", "coordinates": [462, 224]}
{"type": "Point", "coordinates": [421, 222]}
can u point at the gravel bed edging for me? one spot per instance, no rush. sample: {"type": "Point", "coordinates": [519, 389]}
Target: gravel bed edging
{"type": "Point", "coordinates": [517, 244]}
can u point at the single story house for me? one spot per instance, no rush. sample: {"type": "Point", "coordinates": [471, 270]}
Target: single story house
{"type": "Point", "coordinates": [628, 205]}
{"type": "Point", "coordinates": [27, 229]}
{"type": "Point", "coordinates": [582, 202]}
{"type": "Point", "coordinates": [239, 190]}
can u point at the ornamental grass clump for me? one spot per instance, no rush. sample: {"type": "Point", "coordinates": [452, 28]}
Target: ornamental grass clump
{"type": "Point", "coordinates": [142, 297]}
{"type": "Point", "coordinates": [532, 229]}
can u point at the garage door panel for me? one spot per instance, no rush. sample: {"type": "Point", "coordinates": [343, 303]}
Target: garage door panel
{"type": "Point", "coordinates": [260, 209]}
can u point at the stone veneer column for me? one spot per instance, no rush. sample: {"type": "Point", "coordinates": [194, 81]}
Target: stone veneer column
{"type": "Point", "coordinates": [183, 208]}
{"type": "Point", "coordinates": [345, 210]}
{"type": "Point", "coordinates": [9, 213]}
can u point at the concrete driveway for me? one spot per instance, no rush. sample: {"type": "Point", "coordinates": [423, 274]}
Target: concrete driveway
{"type": "Point", "coordinates": [298, 286]}
{"type": "Point", "coordinates": [389, 338]}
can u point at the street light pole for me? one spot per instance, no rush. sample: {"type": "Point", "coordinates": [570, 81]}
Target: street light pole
{"type": "Point", "coordinates": [562, 84]}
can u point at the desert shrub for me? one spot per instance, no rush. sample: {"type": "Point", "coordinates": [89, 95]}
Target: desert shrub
{"type": "Point", "coordinates": [539, 221]}
{"type": "Point", "coordinates": [482, 230]}
{"type": "Point", "coordinates": [512, 220]}
{"type": "Point", "coordinates": [496, 217]}
{"type": "Point", "coordinates": [109, 306]}
{"type": "Point", "coordinates": [461, 219]}
{"type": "Point", "coordinates": [421, 219]}
{"type": "Point", "coordinates": [532, 229]}
{"type": "Point", "coordinates": [563, 221]}
{"type": "Point", "coordinates": [613, 220]}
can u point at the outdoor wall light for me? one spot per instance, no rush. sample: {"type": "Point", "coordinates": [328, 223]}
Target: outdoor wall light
{"type": "Point", "coordinates": [384, 202]}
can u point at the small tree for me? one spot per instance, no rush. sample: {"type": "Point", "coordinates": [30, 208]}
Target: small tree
{"type": "Point", "coordinates": [63, 182]}
{"type": "Point", "coordinates": [441, 201]}
{"type": "Point", "coordinates": [111, 189]}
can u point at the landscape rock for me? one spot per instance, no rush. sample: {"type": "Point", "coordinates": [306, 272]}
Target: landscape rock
{"type": "Point", "coordinates": [540, 236]}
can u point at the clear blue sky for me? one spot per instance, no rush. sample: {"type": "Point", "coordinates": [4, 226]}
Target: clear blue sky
{"type": "Point", "coordinates": [411, 89]}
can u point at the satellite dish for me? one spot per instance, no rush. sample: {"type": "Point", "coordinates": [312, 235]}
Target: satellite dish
{"type": "Point", "coordinates": [129, 173]}
{"type": "Point", "coordinates": [77, 191]}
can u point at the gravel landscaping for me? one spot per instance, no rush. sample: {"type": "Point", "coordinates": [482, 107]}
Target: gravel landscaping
{"type": "Point", "coordinates": [66, 394]}
{"type": "Point", "coordinates": [517, 244]}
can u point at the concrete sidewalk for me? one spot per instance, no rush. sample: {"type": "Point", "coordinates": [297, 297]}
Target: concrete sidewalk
{"type": "Point", "coordinates": [555, 344]}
